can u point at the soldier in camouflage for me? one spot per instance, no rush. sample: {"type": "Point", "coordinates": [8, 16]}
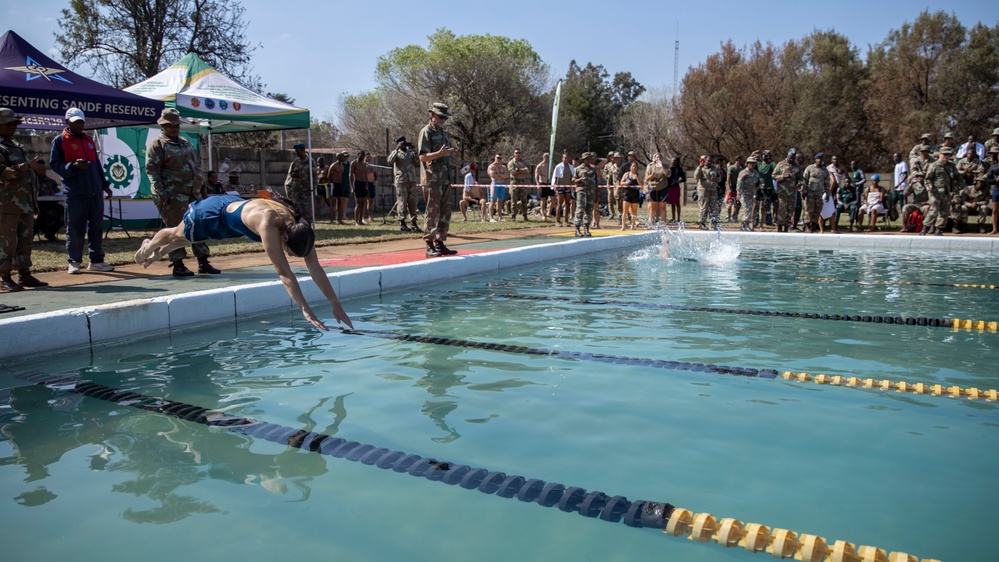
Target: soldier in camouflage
{"type": "Point", "coordinates": [405, 165]}
{"type": "Point", "coordinates": [942, 180]}
{"type": "Point", "coordinates": [816, 180]}
{"type": "Point", "coordinates": [788, 176]}
{"type": "Point", "coordinates": [924, 140]}
{"type": "Point", "coordinates": [520, 177]}
{"type": "Point", "coordinates": [435, 150]}
{"type": "Point", "coordinates": [612, 173]}
{"type": "Point", "coordinates": [585, 179]}
{"type": "Point", "coordinates": [992, 143]}
{"type": "Point", "coordinates": [971, 166]}
{"type": "Point", "coordinates": [971, 200]}
{"type": "Point", "coordinates": [922, 161]}
{"type": "Point", "coordinates": [18, 206]}
{"type": "Point", "coordinates": [174, 169]}
{"type": "Point", "coordinates": [747, 183]}
{"type": "Point", "coordinates": [297, 182]}
{"type": "Point", "coordinates": [707, 176]}
{"type": "Point", "coordinates": [917, 197]}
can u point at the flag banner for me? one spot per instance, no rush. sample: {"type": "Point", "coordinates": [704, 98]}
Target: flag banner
{"type": "Point", "coordinates": [123, 158]}
{"type": "Point", "coordinates": [551, 147]}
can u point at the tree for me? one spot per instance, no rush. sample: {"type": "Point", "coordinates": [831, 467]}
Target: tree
{"type": "Point", "coordinates": [648, 126]}
{"type": "Point", "coordinates": [493, 85]}
{"type": "Point", "coordinates": [127, 41]}
{"type": "Point", "coordinates": [597, 101]}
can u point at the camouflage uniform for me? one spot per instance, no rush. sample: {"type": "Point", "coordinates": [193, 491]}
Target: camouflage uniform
{"type": "Point", "coordinates": [970, 201]}
{"type": "Point", "coordinates": [917, 197]}
{"type": "Point", "coordinates": [992, 142]}
{"type": "Point", "coordinates": [612, 177]}
{"type": "Point", "coordinates": [405, 164]}
{"type": "Point", "coordinates": [816, 179]}
{"type": "Point", "coordinates": [707, 177]}
{"type": "Point", "coordinates": [174, 170]}
{"type": "Point", "coordinates": [296, 184]}
{"type": "Point", "coordinates": [435, 178]}
{"type": "Point", "coordinates": [942, 180]}
{"type": "Point", "coordinates": [585, 193]}
{"type": "Point", "coordinates": [971, 167]}
{"type": "Point", "coordinates": [766, 172]}
{"type": "Point", "coordinates": [18, 207]}
{"type": "Point", "coordinates": [520, 176]}
{"type": "Point", "coordinates": [746, 185]}
{"type": "Point", "coordinates": [788, 176]}
{"type": "Point", "coordinates": [914, 152]}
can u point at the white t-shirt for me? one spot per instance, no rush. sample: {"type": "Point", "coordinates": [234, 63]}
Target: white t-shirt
{"type": "Point", "coordinates": [901, 175]}
{"type": "Point", "coordinates": [469, 182]}
{"type": "Point", "coordinates": [560, 170]}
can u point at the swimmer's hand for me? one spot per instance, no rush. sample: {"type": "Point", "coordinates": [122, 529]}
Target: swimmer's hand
{"type": "Point", "coordinates": [313, 319]}
{"type": "Point", "coordinates": [341, 316]}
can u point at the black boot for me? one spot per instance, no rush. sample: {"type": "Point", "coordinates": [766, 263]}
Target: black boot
{"type": "Point", "coordinates": [432, 251]}
{"type": "Point", "coordinates": [586, 230]}
{"type": "Point", "coordinates": [180, 270]}
{"type": "Point", "coordinates": [26, 279]}
{"type": "Point", "coordinates": [924, 231]}
{"type": "Point", "coordinates": [579, 233]}
{"type": "Point", "coordinates": [444, 250]}
{"type": "Point", "coordinates": [403, 227]}
{"type": "Point", "coordinates": [205, 267]}
{"type": "Point", "coordinates": [413, 226]}
{"type": "Point", "coordinates": [938, 232]}
{"type": "Point", "coordinates": [8, 285]}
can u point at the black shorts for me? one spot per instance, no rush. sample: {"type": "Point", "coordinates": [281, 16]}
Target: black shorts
{"type": "Point", "coordinates": [547, 192]}
{"type": "Point", "coordinates": [631, 195]}
{"type": "Point", "coordinates": [657, 196]}
{"type": "Point", "coordinates": [361, 190]}
{"type": "Point", "coordinates": [339, 190]}
{"type": "Point", "coordinates": [371, 190]}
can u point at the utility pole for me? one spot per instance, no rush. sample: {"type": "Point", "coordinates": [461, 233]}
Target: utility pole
{"type": "Point", "coordinates": [676, 57]}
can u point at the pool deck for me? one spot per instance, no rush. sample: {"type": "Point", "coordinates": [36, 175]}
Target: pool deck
{"type": "Point", "coordinates": [92, 308]}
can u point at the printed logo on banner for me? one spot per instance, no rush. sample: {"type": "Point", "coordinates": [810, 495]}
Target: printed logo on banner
{"type": "Point", "coordinates": [195, 103]}
{"type": "Point", "coordinates": [237, 106]}
{"type": "Point", "coordinates": [209, 103]}
{"type": "Point", "coordinates": [120, 161]}
{"type": "Point", "coordinates": [223, 105]}
{"type": "Point", "coordinates": [33, 71]}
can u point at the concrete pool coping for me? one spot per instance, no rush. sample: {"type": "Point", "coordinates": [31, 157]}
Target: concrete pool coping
{"type": "Point", "coordinates": [240, 292]}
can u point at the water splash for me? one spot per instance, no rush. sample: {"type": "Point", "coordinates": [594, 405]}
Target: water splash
{"type": "Point", "coordinates": [677, 245]}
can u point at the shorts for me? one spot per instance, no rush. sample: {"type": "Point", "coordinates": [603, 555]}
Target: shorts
{"type": "Point", "coordinates": [361, 190]}
{"type": "Point", "coordinates": [563, 190]}
{"type": "Point", "coordinates": [337, 190]}
{"type": "Point", "coordinates": [500, 192]}
{"type": "Point", "coordinates": [323, 190]}
{"type": "Point", "coordinates": [995, 193]}
{"type": "Point", "coordinates": [631, 195]}
{"type": "Point", "coordinates": [547, 192]}
{"type": "Point", "coordinates": [657, 196]}
{"type": "Point", "coordinates": [371, 190]}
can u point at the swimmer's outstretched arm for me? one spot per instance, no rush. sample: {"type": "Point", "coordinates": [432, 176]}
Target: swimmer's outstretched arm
{"type": "Point", "coordinates": [323, 282]}
{"type": "Point", "coordinates": [271, 239]}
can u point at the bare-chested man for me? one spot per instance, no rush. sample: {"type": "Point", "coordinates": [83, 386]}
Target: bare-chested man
{"type": "Point", "coordinates": [338, 197]}
{"type": "Point", "coordinates": [499, 174]}
{"type": "Point", "coordinates": [359, 181]}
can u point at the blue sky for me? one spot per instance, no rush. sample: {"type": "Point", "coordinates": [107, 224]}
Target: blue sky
{"type": "Point", "coordinates": [316, 51]}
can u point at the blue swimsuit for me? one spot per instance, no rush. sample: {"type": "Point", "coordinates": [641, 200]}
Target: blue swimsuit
{"type": "Point", "coordinates": [208, 220]}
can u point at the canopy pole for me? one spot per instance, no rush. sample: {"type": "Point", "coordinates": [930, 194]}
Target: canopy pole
{"type": "Point", "coordinates": [210, 167]}
{"type": "Point", "coordinates": [312, 188]}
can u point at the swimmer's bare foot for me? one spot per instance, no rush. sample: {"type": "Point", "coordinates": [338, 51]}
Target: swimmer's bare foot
{"type": "Point", "coordinates": [143, 257]}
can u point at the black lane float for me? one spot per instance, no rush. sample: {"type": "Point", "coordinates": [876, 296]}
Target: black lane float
{"type": "Point", "coordinates": [900, 320]}
{"type": "Point", "coordinates": [674, 521]}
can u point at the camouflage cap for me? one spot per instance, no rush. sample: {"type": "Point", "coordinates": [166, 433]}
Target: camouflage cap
{"type": "Point", "coordinates": [995, 132]}
{"type": "Point", "coordinates": [619, 155]}
{"type": "Point", "coordinates": [980, 178]}
{"type": "Point", "coordinates": [750, 160]}
{"type": "Point", "coordinates": [587, 156]}
{"type": "Point", "coordinates": [924, 148]}
{"type": "Point", "coordinates": [926, 136]}
{"type": "Point", "coordinates": [946, 150]}
{"type": "Point", "coordinates": [610, 154]}
{"type": "Point", "coordinates": [632, 153]}
{"type": "Point", "coordinates": [949, 136]}
{"type": "Point", "coordinates": [169, 116]}
{"type": "Point", "coordinates": [7, 116]}
{"type": "Point", "coordinates": [440, 109]}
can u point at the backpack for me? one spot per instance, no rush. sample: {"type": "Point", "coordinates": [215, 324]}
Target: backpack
{"type": "Point", "coordinates": [915, 222]}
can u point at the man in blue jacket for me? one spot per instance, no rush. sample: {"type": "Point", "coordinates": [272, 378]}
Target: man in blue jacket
{"type": "Point", "coordinates": [74, 158]}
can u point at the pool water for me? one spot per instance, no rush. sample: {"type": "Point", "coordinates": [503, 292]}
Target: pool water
{"type": "Point", "coordinates": [85, 479]}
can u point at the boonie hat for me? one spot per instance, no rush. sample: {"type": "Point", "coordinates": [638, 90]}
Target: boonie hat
{"type": "Point", "coordinates": [925, 136]}
{"type": "Point", "coordinates": [169, 116]}
{"type": "Point", "coordinates": [946, 150]}
{"type": "Point", "coordinates": [8, 116]}
{"type": "Point", "coordinates": [995, 132]}
{"type": "Point", "coordinates": [440, 109]}
{"type": "Point", "coordinates": [618, 154]}
{"type": "Point", "coordinates": [632, 153]}
{"type": "Point", "coordinates": [949, 136]}
{"type": "Point", "coordinates": [587, 155]}
{"type": "Point", "coordinates": [924, 148]}
{"type": "Point", "coordinates": [750, 160]}
{"type": "Point", "coordinates": [75, 114]}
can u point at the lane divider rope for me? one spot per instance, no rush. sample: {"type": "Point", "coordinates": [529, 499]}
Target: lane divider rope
{"type": "Point", "coordinates": [883, 282]}
{"type": "Point", "coordinates": [971, 393]}
{"type": "Point", "coordinates": [956, 323]}
{"type": "Point", "coordinates": [701, 527]}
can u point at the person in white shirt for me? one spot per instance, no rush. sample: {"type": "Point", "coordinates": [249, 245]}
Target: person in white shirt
{"type": "Point", "coordinates": [472, 195]}
{"type": "Point", "coordinates": [562, 180]}
{"type": "Point", "coordinates": [979, 148]}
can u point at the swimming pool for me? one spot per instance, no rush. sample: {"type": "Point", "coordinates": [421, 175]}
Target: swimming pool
{"type": "Point", "coordinates": [899, 471]}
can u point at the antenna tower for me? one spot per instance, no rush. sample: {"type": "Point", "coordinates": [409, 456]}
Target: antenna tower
{"type": "Point", "coordinates": [676, 57]}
